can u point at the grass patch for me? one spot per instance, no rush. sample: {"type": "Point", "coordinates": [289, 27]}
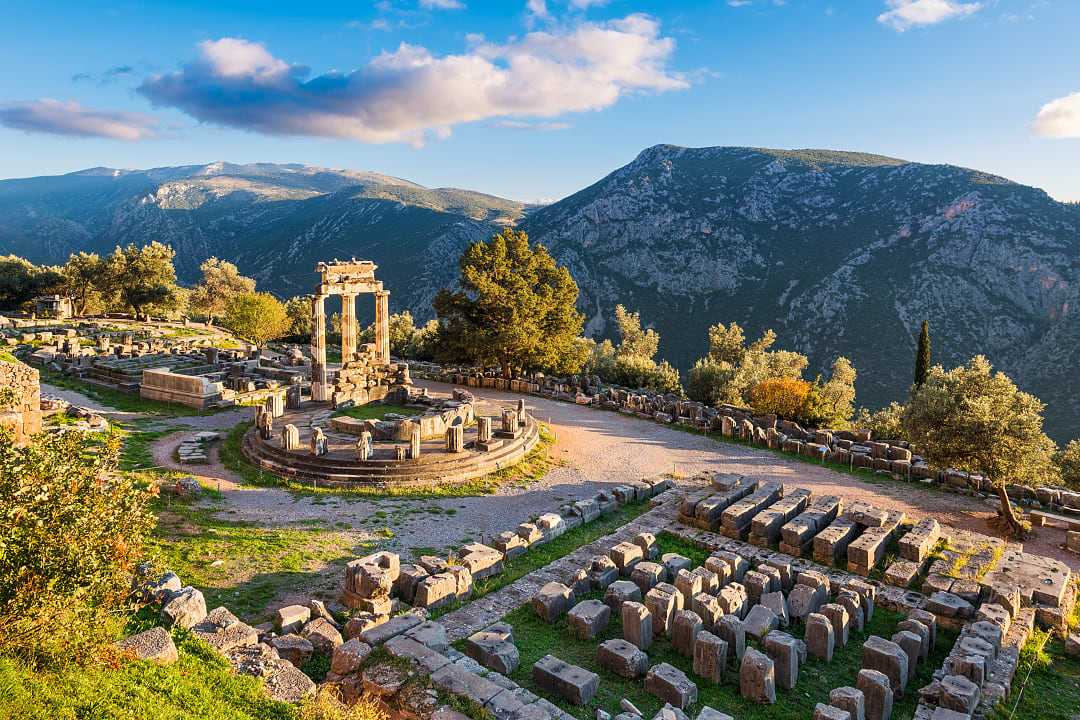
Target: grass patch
{"type": "Point", "coordinates": [200, 686]}
{"type": "Point", "coordinates": [1046, 684]}
{"type": "Point", "coordinates": [540, 555]}
{"type": "Point", "coordinates": [117, 399]}
{"type": "Point", "coordinates": [817, 678]}
{"type": "Point", "coordinates": [532, 467]}
{"type": "Point", "coordinates": [256, 564]}
{"type": "Point", "coordinates": [375, 411]}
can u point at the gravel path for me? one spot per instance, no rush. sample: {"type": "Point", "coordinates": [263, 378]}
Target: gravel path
{"type": "Point", "coordinates": [595, 448]}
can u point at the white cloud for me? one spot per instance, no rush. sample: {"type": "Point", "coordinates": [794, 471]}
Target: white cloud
{"type": "Point", "coordinates": [906, 14]}
{"type": "Point", "coordinates": [1059, 118]}
{"type": "Point", "coordinates": [58, 117]}
{"type": "Point", "coordinates": [410, 94]}
{"type": "Point", "coordinates": [537, 9]}
{"type": "Point", "coordinates": [442, 4]}
{"type": "Point", "coordinates": [586, 4]}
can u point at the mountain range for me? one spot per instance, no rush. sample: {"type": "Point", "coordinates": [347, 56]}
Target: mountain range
{"type": "Point", "coordinates": [838, 252]}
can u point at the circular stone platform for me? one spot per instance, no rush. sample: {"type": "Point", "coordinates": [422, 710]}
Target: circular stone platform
{"type": "Point", "coordinates": [340, 467]}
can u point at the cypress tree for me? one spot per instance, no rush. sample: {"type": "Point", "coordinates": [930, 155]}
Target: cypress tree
{"type": "Point", "coordinates": [922, 355]}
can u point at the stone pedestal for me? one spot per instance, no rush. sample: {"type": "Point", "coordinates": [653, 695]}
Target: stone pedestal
{"type": "Point", "coordinates": [483, 429]}
{"type": "Point", "coordinates": [414, 442]}
{"type": "Point", "coordinates": [275, 404]}
{"type": "Point", "coordinates": [363, 446]}
{"type": "Point", "coordinates": [290, 437]}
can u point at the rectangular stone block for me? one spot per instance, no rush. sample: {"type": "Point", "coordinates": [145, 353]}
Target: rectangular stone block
{"type": "Point", "coordinates": [574, 684]}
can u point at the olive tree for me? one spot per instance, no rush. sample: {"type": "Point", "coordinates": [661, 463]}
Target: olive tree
{"type": "Point", "coordinates": [977, 420]}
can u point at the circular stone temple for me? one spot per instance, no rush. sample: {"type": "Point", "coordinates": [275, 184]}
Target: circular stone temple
{"type": "Point", "coordinates": [310, 437]}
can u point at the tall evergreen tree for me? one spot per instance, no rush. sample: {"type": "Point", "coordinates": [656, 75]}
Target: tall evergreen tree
{"type": "Point", "coordinates": [922, 355]}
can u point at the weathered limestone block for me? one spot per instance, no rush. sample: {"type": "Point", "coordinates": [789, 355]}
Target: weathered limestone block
{"type": "Point", "coordinates": [949, 605]}
{"type": "Point", "coordinates": [622, 658]}
{"type": "Point", "coordinates": [481, 560]}
{"type": "Point", "coordinates": [510, 544]}
{"type": "Point", "coordinates": [602, 572]}
{"type": "Point", "coordinates": [830, 712]}
{"type": "Point", "coordinates": [852, 602]}
{"type": "Point", "coordinates": [838, 617]}
{"type": "Point", "coordinates": [619, 592]}
{"type": "Point", "coordinates": [322, 635]}
{"type": "Point", "coordinates": [959, 693]}
{"type": "Point", "coordinates": [674, 562]}
{"type": "Point", "coordinates": [552, 601]}
{"type": "Point", "coordinates": [637, 624]}
{"type": "Point", "coordinates": [710, 657]}
{"type": "Point", "coordinates": [647, 542]}
{"type": "Point", "coordinates": [735, 521]}
{"type": "Point", "coordinates": [347, 659]}
{"type": "Point", "coordinates": [756, 584]}
{"type": "Point", "coordinates": [867, 592]}
{"type": "Point", "coordinates": [784, 651]}
{"type": "Point", "coordinates": [186, 608]}
{"type": "Point", "coordinates": [493, 647]}
{"type": "Point", "coordinates": [731, 630]}
{"type": "Point", "coordinates": [737, 564]}
{"type": "Point", "coordinates": [154, 645]}
{"type": "Point", "coordinates": [919, 629]}
{"type": "Point", "coordinates": [671, 685]}
{"type": "Point", "coordinates": [625, 555]}
{"type": "Point", "coordinates": [647, 574]}
{"type": "Point", "coordinates": [992, 612]}
{"type": "Point", "coordinates": [707, 713]}
{"type": "Point", "coordinates": [760, 621]}
{"type": "Point", "coordinates": [551, 524]}
{"type": "Point", "coordinates": [436, 590]}
{"type": "Point", "coordinates": [689, 584]}
{"type": "Point", "coordinates": [776, 602]}
{"type": "Point", "coordinates": [291, 618]}
{"type": "Point", "coordinates": [733, 600]}
{"type": "Point", "coordinates": [920, 540]}
{"type": "Point", "coordinates": [757, 678]}
{"type": "Point", "coordinates": [849, 699]}
{"type": "Point", "coordinates": [887, 658]}
{"type": "Point", "coordinates": [223, 631]}
{"type": "Point", "coordinates": [686, 625]}
{"type": "Point", "coordinates": [911, 644]}
{"type": "Point", "coordinates": [830, 545]}
{"type": "Point", "coordinates": [820, 640]}
{"type": "Point", "coordinates": [663, 605]}
{"type": "Point", "coordinates": [877, 693]}
{"type": "Point", "coordinates": [803, 600]}
{"type": "Point", "coordinates": [901, 573]}
{"type": "Point", "coordinates": [928, 619]}
{"type": "Point", "coordinates": [588, 619]}
{"type": "Point", "coordinates": [290, 438]}
{"type": "Point", "coordinates": [574, 684]}
{"type": "Point", "coordinates": [707, 608]}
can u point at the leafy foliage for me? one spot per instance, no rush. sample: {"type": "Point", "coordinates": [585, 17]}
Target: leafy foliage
{"type": "Point", "coordinates": [885, 425]}
{"type": "Point", "coordinates": [974, 419]}
{"type": "Point", "coordinates": [221, 283]}
{"type": "Point", "coordinates": [257, 317]}
{"type": "Point", "coordinates": [785, 397]}
{"type": "Point", "coordinates": [632, 363]}
{"type": "Point", "coordinates": [21, 281]}
{"type": "Point", "coordinates": [515, 308]}
{"type": "Point", "coordinates": [1068, 463]}
{"type": "Point", "coordinates": [73, 528]}
{"type": "Point", "coordinates": [87, 282]}
{"type": "Point", "coordinates": [298, 310]}
{"type": "Point", "coordinates": [144, 278]}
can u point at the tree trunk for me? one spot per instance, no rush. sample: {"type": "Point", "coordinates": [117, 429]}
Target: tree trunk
{"type": "Point", "coordinates": [506, 371]}
{"type": "Point", "coordinates": [1007, 511]}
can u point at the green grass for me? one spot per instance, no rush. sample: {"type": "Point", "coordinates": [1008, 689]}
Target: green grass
{"type": "Point", "coordinates": [117, 399]}
{"type": "Point", "coordinates": [1046, 684]}
{"type": "Point", "coordinates": [533, 466]}
{"type": "Point", "coordinates": [538, 556]}
{"type": "Point", "coordinates": [200, 686]}
{"type": "Point", "coordinates": [536, 638]}
{"type": "Point", "coordinates": [257, 564]}
{"type": "Point", "coordinates": [375, 411]}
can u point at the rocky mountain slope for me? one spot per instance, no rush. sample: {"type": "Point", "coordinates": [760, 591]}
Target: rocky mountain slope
{"type": "Point", "coordinates": [840, 253]}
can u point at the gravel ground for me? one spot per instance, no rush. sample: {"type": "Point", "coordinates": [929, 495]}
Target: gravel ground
{"type": "Point", "coordinates": [593, 448]}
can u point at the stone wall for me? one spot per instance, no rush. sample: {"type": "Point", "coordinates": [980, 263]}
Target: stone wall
{"type": "Point", "coordinates": [20, 409]}
{"type": "Point", "coordinates": [191, 390]}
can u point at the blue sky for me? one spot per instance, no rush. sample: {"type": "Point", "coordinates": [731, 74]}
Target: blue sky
{"type": "Point", "coordinates": [534, 100]}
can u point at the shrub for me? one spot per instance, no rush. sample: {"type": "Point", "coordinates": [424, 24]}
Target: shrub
{"type": "Point", "coordinates": [1068, 462]}
{"type": "Point", "coordinates": [327, 705]}
{"type": "Point", "coordinates": [785, 397]}
{"type": "Point", "coordinates": [708, 380]}
{"type": "Point", "coordinates": [73, 529]}
{"type": "Point", "coordinates": [885, 425]}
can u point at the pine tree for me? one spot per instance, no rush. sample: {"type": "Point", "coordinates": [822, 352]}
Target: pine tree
{"type": "Point", "coordinates": [922, 355]}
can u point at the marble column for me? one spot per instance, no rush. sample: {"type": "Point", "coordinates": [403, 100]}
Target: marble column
{"type": "Point", "coordinates": [320, 390]}
{"type": "Point", "coordinates": [348, 327]}
{"type": "Point", "coordinates": [382, 326]}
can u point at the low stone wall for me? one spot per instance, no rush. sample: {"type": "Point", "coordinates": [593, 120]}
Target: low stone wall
{"type": "Point", "coordinates": [20, 409]}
